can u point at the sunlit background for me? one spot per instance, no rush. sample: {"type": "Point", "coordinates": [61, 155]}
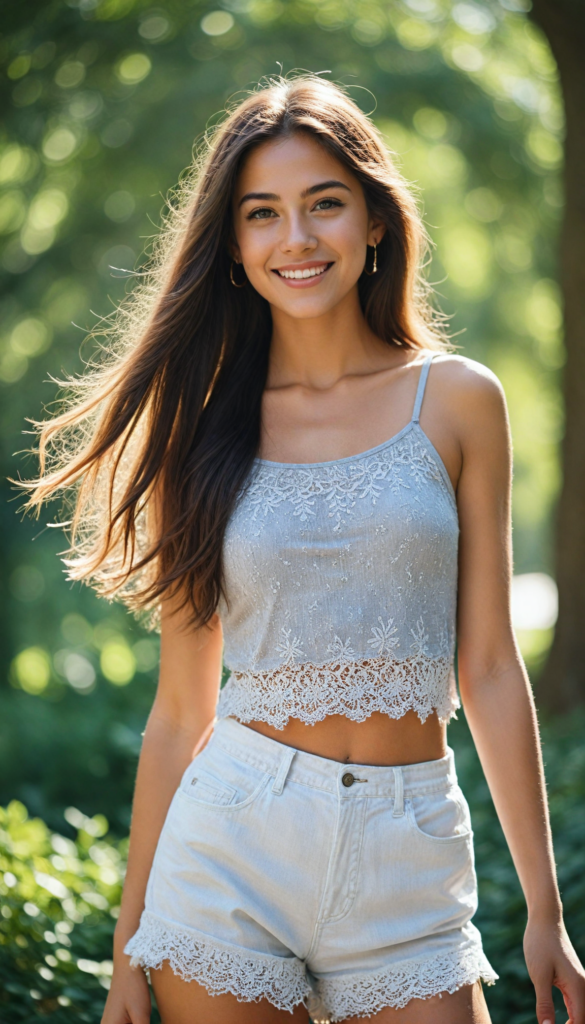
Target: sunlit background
{"type": "Point", "coordinates": [102, 102]}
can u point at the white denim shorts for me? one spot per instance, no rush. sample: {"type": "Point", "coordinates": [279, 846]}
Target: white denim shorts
{"type": "Point", "coordinates": [290, 877]}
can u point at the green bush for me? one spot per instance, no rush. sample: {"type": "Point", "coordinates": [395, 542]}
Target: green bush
{"type": "Point", "coordinates": [59, 901]}
{"type": "Point", "coordinates": [501, 917]}
{"type": "Point", "coordinates": [60, 896]}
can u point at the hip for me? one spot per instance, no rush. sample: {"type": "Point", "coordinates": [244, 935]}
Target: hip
{"type": "Point", "coordinates": [260, 813]}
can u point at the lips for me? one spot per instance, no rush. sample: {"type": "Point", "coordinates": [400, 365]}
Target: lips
{"type": "Point", "coordinates": [303, 272]}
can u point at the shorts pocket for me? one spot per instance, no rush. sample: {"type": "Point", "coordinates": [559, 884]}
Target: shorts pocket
{"type": "Point", "coordinates": [442, 817]}
{"type": "Point", "coordinates": [216, 779]}
{"type": "Point", "coordinates": [209, 790]}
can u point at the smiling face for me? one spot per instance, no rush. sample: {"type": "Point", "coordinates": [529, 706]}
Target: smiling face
{"type": "Point", "coordinates": [301, 226]}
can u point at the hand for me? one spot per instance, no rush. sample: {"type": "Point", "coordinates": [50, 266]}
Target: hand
{"type": "Point", "coordinates": [551, 960]}
{"type": "Point", "coordinates": [128, 1000]}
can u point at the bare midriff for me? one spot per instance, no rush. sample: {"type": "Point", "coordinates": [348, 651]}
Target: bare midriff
{"type": "Point", "coordinates": [379, 740]}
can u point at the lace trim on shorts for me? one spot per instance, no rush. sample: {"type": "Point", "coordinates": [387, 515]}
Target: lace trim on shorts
{"type": "Point", "coordinates": [354, 689]}
{"type": "Point", "coordinates": [366, 994]}
{"type": "Point", "coordinates": [219, 967]}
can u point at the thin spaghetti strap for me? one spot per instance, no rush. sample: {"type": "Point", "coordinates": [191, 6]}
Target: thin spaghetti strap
{"type": "Point", "coordinates": [420, 391]}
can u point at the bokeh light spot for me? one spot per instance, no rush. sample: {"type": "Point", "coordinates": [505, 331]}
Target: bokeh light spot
{"type": "Point", "coordinates": [19, 67]}
{"type": "Point", "coordinates": [76, 630]}
{"type": "Point", "coordinates": [17, 163]}
{"type": "Point", "coordinates": [30, 337]}
{"type": "Point", "coordinates": [146, 653]}
{"type": "Point", "coordinates": [414, 34]}
{"type": "Point", "coordinates": [59, 145]}
{"type": "Point", "coordinates": [430, 122]}
{"type": "Point", "coordinates": [12, 211]}
{"type": "Point", "coordinates": [544, 148]}
{"type": "Point", "coordinates": [32, 669]}
{"type": "Point", "coordinates": [154, 27]}
{"type": "Point", "coordinates": [217, 23]}
{"type": "Point", "coordinates": [535, 602]}
{"type": "Point", "coordinates": [48, 209]}
{"type": "Point", "coordinates": [70, 74]}
{"type": "Point", "coordinates": [134, 68]}
{"type": "Point", "coordinates": [117, 662]}
{"type": "Point", "coordinates": [116, 133]}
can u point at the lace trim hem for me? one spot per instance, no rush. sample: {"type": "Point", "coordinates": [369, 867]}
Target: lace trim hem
{"type": "Point", "coordinates": [365, 995]}
{"type": "Point", "coordinates": [219, 967]}
{"type": "Point", "coordinates": [355, 689]}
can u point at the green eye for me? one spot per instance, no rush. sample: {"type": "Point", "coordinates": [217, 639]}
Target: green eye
{"type": "Point", "coordinates": [262, 214]}
{"type": "Point", "coordinates": [332, 204]}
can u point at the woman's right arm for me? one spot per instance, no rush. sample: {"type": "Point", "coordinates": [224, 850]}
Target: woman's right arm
{"type": "Point", "coordinates": [179, 723]}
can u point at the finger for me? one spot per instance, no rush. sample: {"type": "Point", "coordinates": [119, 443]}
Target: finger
{"type": "Point", "coordinates": [545, 1010]}
{"type": "Point", "coordinates": [575, 1009]}
{"type": "Point", "coordinates": [141, 1014]}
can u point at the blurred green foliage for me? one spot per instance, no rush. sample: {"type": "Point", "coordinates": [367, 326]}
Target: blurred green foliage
{"type": "Point", "coordinates": [59, 897]}
{"type": "Point", "coordinates": [102, 100]}
{"type": "Point", "coordinates": [60, 892]}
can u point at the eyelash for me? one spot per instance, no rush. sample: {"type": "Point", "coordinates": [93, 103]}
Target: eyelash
{"type": "Point", "coordinates": [266, 209]}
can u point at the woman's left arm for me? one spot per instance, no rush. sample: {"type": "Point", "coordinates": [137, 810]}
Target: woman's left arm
{"type": "Point", "coordinates": [495, 689]}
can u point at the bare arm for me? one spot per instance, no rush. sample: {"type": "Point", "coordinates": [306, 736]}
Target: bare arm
{"type": "Point", "coordinates": [179, 723]}
{"type": "Point", "coordinates": [495, 689]}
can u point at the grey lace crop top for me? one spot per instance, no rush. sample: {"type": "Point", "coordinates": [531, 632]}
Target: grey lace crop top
{"type": "Point", "coordinates": [341, 585]}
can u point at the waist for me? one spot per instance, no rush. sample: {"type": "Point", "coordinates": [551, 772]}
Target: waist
{"type": "Point", "coordinates": [320, 772]}
{"type": "Point", "coordinates": [379, 740]}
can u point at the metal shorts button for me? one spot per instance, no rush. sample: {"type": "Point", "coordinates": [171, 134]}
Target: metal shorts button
{"type": "Point", "coordinates": [348, 779]}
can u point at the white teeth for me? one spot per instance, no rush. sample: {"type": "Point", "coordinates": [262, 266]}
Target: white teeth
{"type": "Point", "coordinates": [298, 275]}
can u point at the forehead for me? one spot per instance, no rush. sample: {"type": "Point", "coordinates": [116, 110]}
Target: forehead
{"type": "Point", "coordinates": [290, 164]}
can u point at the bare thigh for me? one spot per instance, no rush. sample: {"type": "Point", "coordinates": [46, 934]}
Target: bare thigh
{"type": "Point", "coordinates": [188, 1002]}
{"type": "Point", "coordinates": [466, 1006]}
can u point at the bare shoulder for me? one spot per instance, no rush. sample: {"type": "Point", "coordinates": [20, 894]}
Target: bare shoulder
{"type": "Point", "coordinates": [470, 391]}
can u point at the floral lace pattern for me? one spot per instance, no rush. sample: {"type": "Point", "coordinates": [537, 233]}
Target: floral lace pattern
{"type": "Point", "coordinates": [354, 689]}
{"type": "Point", "coordinates": [222, 968]}
{"type": "Point", "coordinates": [340, 583]}
{"type": "Point", "coordinates": [219, 967]}
{"type": "Point", "coordinates": [364, 995]}
{"type": "Point", "coordinates": [342, 484]}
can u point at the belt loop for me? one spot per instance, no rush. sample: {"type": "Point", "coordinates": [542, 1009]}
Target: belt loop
{"type": "Point", "coordinates": [398, 793]}
{"type": "Point", "coordinates": [283, 771]}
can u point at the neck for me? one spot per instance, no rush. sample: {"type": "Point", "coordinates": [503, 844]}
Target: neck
{"type": "Point", "coordinates": [317, 352]}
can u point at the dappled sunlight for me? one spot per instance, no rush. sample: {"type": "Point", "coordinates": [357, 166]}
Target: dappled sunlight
{"type": "Point", "coordinates": [102, 108]}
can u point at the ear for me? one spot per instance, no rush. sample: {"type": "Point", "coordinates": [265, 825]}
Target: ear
{"type": "Point", "coordinates": [376, 231]}
{"type": "Point", "coordinates": [234, 251]}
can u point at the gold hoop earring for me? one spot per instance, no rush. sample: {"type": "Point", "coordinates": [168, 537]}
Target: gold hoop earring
{"type": "Point", "coordinates": [374, 269]}
{"type": "Point", "coordinates": [235, 283]}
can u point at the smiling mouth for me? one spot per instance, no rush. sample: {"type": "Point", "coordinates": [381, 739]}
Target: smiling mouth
{"type": "Point", "coordinates": [301, 275]}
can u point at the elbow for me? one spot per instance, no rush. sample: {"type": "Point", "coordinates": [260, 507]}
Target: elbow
{"type": "Point", "coordinates": [484, 675]}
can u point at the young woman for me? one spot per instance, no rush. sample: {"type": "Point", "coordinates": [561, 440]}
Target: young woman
{"type": "Point", "coordinates": [286, 460]}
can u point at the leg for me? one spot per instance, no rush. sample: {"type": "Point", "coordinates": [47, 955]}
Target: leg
{"type": "Point", "coordinates": [466, 1006]}
{"type": "Point", "coordinates": [187, 1002]}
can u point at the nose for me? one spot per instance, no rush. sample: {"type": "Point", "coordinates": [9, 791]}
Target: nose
{"type": "Point", "coordinates": [297, 238]}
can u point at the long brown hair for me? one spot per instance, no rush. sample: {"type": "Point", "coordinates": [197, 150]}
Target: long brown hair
{"type": "Point", "coordinates": [158, 437]}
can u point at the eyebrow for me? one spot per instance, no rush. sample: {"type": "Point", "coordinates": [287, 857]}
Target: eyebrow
{"type": "Point", "coordinates": [313, 190]}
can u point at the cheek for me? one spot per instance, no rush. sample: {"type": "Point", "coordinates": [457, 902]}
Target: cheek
{"type": "Point", "coordinates": [347, 237]}
{"type": "Point", "coordinates": [255, 245]}
{"type": "Point", "coordinates": [256, 250]}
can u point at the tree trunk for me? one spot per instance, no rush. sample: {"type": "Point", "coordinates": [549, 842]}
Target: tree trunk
{"type": "Point", "coordinates": [562, 684]}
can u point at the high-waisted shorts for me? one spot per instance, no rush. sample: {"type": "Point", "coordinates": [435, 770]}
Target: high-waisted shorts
{"type": "Point", "coordinates": [286, 876]}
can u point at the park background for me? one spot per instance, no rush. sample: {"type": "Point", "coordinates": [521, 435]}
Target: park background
{"type": "Point", "coordinates": [102, 100]}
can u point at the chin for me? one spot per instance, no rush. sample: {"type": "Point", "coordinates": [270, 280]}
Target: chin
{"type": "Point", "coordinates": [303, 310]}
